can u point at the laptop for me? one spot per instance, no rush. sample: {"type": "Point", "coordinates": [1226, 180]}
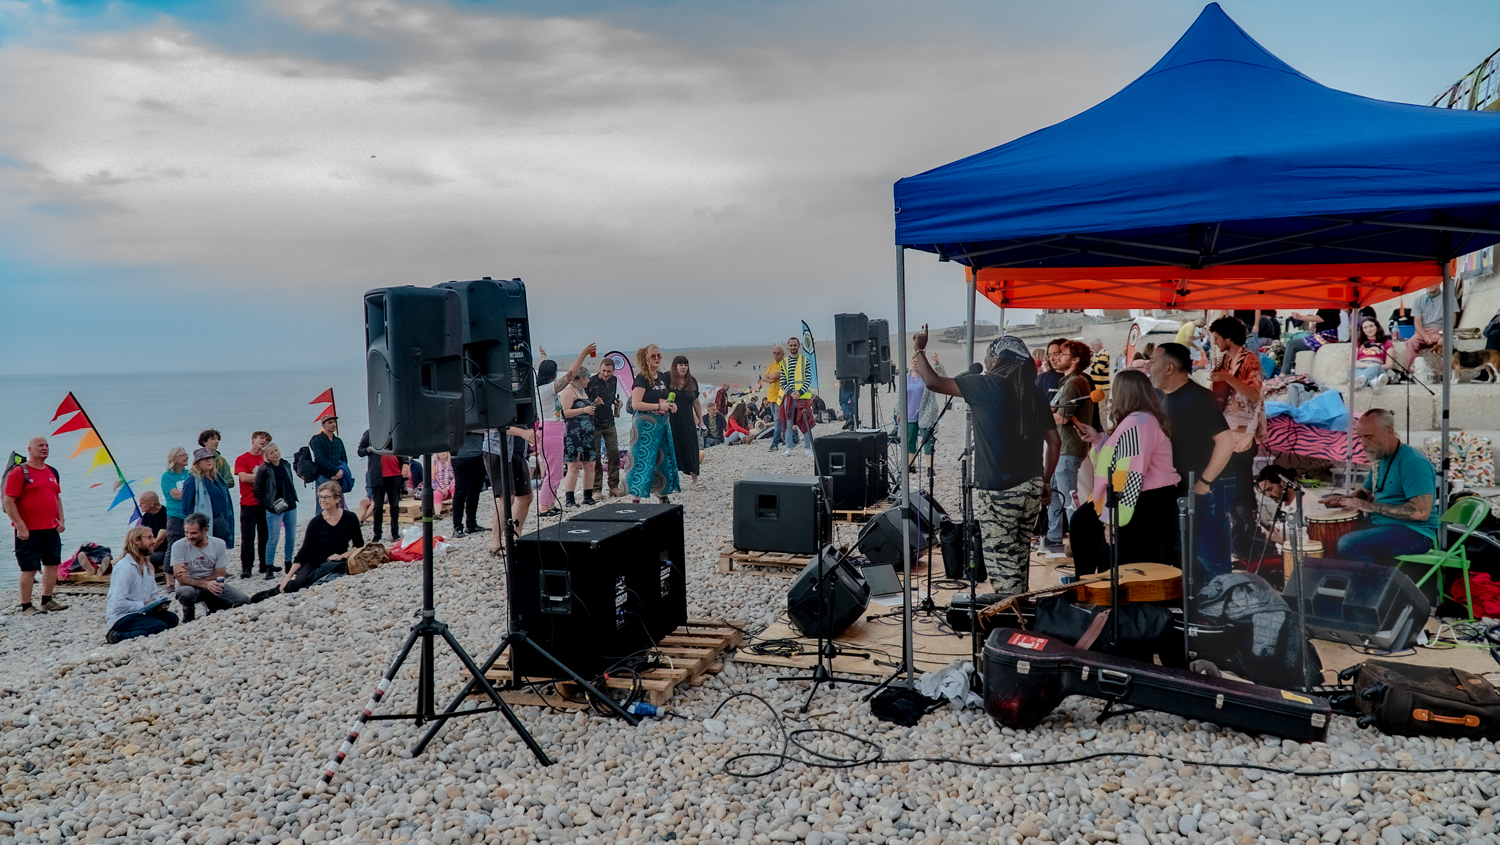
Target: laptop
{"type": "Point", "coordinates": [883, 580]}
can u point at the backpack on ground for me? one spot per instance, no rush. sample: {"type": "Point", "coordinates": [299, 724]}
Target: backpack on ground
{"type": "Point", "coordinates": [1404, 700]}
{"type": "Point", "coordinates": [304, 465]}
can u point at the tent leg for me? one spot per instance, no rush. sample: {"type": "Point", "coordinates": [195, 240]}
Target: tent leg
{"type": "Point", "coordinates": [906, 511]}
{"type": "Point", "coordinates": [1355, 333]}
{"type": "Point", "coordinates": [1449, 345]}
{"type": "Point", "coordinates": [969, 342]}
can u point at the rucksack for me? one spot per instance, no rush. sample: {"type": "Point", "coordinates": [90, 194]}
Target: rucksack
{"type": "Point", "coordinates": [18, 462]}
{"type": "Point", "coordinates": [1404, 700]}
{"type": "Point", "coordinates": [304, 465]}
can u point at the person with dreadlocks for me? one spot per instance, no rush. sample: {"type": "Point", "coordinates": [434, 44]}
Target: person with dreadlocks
{"type": "Point", "coordinates": [1016, 448]}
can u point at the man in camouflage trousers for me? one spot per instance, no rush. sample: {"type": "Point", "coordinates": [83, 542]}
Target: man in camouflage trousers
{"type": "Point", "coordinates": [1016, 446]}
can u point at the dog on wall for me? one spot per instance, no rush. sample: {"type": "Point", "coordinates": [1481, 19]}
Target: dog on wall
{"type": "Point", "coordinates": [1467, 366]}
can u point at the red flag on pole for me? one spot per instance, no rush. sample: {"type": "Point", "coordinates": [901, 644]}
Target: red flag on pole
{"type": "Point", "coordinates": [325, 396]}
{"type": "Point", "coordinates": [326, 412]}
{"type": "Point", "coordinates": [77, 423]}
{"type": "Point", "coordinates": [69, 405]}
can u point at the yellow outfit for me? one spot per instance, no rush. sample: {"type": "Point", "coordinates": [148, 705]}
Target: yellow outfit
{"type": "Point", "coordinates": [773, 387]}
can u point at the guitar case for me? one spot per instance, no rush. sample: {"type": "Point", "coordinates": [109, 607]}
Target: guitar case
{"type": "Point", "coordinates": [1026, 675]}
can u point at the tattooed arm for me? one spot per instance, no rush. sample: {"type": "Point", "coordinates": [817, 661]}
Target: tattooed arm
{"type": "Point", "coordinates": [1415, 509]}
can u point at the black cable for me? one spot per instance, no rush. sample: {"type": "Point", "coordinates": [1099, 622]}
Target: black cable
{"type": "Point", "coordinates": [877, 756]}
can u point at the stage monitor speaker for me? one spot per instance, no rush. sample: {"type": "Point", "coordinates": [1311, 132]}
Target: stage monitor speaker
{"type": "Point", "coordinates": [1359, 603]}
{"type": "Point", "coordinates": [930, 515]}
{"type": "Point", "coordinates": [781, 513]}
{"type": "Point", "coordinates": [414, 370]}
{"type": "Point", "coordinates": [880, 352]}
{"type": "Point", "coordinates": [498, 379]}
{"type": "Point", "coordinates": [838, 588]}
{"type": "Point", "coordinates": [575, 597]}
{"type": "Point", "coordinates": [656, 572]}
{"type": "Point", "coordinates": [880, 539]}
{"type": "Point", "coordinates": [854, 462]}
{"type": "Point", "coordinates": [851, 333]}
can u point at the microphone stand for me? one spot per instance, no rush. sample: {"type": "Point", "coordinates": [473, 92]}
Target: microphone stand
{"type": "Point", "coordinates": [1409, 378]}
{"type": "Point", "coordinates": [1294, 537]}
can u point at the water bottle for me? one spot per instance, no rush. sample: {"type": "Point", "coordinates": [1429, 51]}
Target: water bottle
{"type": "Point", "coordinates": [644, 709]}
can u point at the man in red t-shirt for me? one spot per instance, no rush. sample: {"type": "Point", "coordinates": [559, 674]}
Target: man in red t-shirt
{"type": "Point", "coordinates": [33, 501]}
{"type": "Point", "coordinates": [252, 512]}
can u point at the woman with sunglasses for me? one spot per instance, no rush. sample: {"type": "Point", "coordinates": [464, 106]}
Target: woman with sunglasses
{"type": "Point", "coordinates": [653, 464]}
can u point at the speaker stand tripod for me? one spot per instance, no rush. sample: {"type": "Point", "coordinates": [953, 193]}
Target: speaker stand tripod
{"type": "Point", "coordinates": [428, 629]}
{"type": "Point", "coordinates": [517, 638]}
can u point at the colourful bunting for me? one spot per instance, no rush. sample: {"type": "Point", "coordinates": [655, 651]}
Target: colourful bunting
{"type": "Point", "coordinates": [78, 423]}
{"type": "Point", "coordinates": [124, 495]}
{"type": "Point", "coordinates": [90, 440]}
{"type": "Point", "coordinates": [101, 458]}
{"type": "Point", "coordinates": [325, 396]}
{"type": "Point", "coordinates": [330, 410]}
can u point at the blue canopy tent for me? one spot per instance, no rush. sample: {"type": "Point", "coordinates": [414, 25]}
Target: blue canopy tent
{"type": "Point", "coordinates": [1222, 177]}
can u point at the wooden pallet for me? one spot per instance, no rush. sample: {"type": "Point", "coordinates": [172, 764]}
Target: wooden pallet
{"type": "Point", "coordinates": [779, 564]}
{"type": "Point", "coordinates": [861, 515]}
{"type": "Point", "coordinates": [411, 509]}
{"type": "Point", "coordinates": [694, 651]}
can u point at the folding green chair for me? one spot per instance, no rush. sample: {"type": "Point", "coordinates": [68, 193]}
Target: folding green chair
{"type": "Point", "coordinates": [1469, 512]}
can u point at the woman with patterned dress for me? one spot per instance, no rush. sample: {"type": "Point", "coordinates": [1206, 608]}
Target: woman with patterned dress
{"type": "Point", "coordinates": [580, 443]}
{"type": "Point", "coordinates": [653, 463]}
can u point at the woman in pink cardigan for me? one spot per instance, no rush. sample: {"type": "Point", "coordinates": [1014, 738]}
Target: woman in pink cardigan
{"type": "Point", "coordinates": [1139, 448]}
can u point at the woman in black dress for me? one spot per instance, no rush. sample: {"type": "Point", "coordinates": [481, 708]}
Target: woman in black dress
{"type": "Point", "coordinates": [330, 540]}
{"type": "Point", "coordinates": [685, 418]}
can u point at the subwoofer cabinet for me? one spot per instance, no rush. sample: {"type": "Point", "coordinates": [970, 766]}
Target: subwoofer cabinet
{"type": "Point", "coordinates": [854, 462]}
{"type": "Point", "coordinates": [656, 571]}
{"type": "Point", "coordinates": [781, 513]}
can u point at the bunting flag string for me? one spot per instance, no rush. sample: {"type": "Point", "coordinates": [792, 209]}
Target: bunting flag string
{"type": "Point", "coordinates": [92, 440]}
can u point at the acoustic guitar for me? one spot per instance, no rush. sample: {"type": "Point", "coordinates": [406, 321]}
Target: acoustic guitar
{"type": "Point", "coordinates": [1138, 582]}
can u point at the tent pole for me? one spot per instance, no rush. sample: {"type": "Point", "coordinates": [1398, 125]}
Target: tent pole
{"type": "Point", "coordinates": [969, 341]}
{"type": "Point", "coordinates": [906, 511]}
{"type": "Point", "coordinates": [1355, 333]}
{"type": "Point", "coordinates": [1448, 346]}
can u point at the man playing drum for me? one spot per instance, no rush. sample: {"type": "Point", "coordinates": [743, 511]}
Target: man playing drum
{"type": "Point", "coordinates": [1397, 495]}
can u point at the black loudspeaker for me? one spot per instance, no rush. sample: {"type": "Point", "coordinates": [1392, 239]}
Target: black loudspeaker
{"type": "Point", "coordinates": [930, 515]}
{"type": "Point", "coordinates": [1359, 603]}
{"type": "Point", "coordinates": [781, 513]}
{"type": "Point", "coordinates": [851, 333]}
{"type": "Point", "coordinates": [414, 370]}
{"type": "Point", "coordinates": [880, 540]}
{"type": "Point", "coordinates": [854, 464]}
{"type": "Point", "coordinates": [880, 352]}
{"type": "Point", "coordinates": [838, 588]}
{"type": "Point", "coordinates": [656, 571]}
{"type": "Point", "coordinates": [576, 597]}
{"type": "Point", "coordinates": [498, 384]}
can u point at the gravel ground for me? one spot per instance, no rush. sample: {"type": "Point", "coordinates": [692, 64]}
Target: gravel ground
{"type": "Point", "coordinates": [216, 732]}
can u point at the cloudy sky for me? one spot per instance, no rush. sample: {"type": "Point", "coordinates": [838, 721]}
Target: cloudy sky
{"type": "Point", "coordinates": [212, 185]}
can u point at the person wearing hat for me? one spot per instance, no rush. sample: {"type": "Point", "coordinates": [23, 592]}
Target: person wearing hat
{"type": "Point", "coordinates": [205, 493]}
{"type": "Point", "coordinates": [1016, 446]}
{"type": "Point", "coordinates": [329, 453]}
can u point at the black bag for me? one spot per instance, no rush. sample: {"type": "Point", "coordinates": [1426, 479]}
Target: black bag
{"type": "Point", "coordinates": [1145, 629]}
{"type": "Point", "coordinates": [1257, 638]}
{"type": "Point", "coordinates": [1405, 700]}
{"type": "Point", "coordinates": [304, 465]}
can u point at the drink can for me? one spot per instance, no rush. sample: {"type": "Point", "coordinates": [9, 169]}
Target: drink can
{"type": "Point", "coordinates": [220, 579]}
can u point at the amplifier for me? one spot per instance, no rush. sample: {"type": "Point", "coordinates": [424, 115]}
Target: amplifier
{"type": "Point", "coordinates": [657, 570]}
{"type": "Point", "coordinates": [781, 513]}
{"type": "Point", "coordinates": [854, 462]}
{"type": "Point", "coordinates": [575, 595]}
{"type": "Point", "coordinates": [1359, 603]}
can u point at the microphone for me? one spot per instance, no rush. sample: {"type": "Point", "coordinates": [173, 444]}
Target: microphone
{"type": "Point", "coordinates": [975, 369]}
{"type": "Point", "coordinates": [1094, 396]}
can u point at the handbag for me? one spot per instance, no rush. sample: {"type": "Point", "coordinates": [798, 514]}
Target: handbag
{"type": "Point", "coordinates": [369, 556]}
{"type": "Point", "coordinates": [277, 504]}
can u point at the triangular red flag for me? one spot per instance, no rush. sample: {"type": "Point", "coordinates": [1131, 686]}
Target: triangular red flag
{"type": "Point", "coordinates": [79, 422]}
{"type": "Point", "coordinates": [325, 396]}
{"type": "Point", "coordinates": [328, 411]}
{"type": "Point", "coordinates": [68, 406]}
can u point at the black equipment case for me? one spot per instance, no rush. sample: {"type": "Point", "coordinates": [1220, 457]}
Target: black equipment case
{"type": "Point", "coordinates": [1026, 675]}
{"type": "Point", "coordinates": [1404, 700]}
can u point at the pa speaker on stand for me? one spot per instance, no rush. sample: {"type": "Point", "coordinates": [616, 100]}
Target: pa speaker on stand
{"type": "Point", "coordinates": [851, 333]}
{"type": "Point", "coordinates": [880, 354]}
{"type": "Point", "coordinates": [414, 370]}
{"type": "Point", "coordinates": [497, 353]}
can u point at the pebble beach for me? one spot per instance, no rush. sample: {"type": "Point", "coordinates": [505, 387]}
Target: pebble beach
{"type": "Point", "coordinates": [217, 732]}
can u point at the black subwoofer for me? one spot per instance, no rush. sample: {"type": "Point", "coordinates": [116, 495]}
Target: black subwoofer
{"type": "Point", "coordinates": [656, 572]}
{"type": "Point", "coordinates": [854, 462]}
{"type": "Point", "coordinates": [1359, 603]}
{"type": "Point", "coordinates": [827, 597]}
{"type": "Point", "coordinates": [780, 513]}
{"type": "Point", "coordinates": [576, 597]}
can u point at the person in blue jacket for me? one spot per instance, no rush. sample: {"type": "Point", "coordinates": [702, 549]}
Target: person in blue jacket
{"type": "Point", "coordinates": [205, 493]}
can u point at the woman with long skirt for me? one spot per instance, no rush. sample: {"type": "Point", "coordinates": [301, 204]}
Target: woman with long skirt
{"type": "Point", "coordinates": [1139, 451]}
{"type": "Point", "coordinates": [549, 414]}
{"type": "Point", "coordinates": [687, 410]}
{"type": "Point", "coordinates": [653, 463]}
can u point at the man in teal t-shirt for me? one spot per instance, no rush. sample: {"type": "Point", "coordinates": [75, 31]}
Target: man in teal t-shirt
{"type": "Point", "coordinates": [1398, 496]}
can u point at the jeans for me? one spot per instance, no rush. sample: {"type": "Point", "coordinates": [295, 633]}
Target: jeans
{"type": "Point", "coordinates": [253, 524]}
{"type": "Point", "coordinates": [848, 397]}
{"type": "Point", "coordinates": [609, 457]}
{"type": "Point", "coordinates": [140, 624]}
{"type": "Point", "coordinates": [786, 427]}
{"type": "Point", "coordinates": [1289, 357]}
{"type": "Point", "coordinates": [1369, 373]}
{"type": "Point", "coordinates": [1211, 524]}
{"type": "Point", "coordinates": [776, 425]}
{"type": "Point", "coordinates": [275, 524]}
{"type": "Point", "coordinates": [1492, 337]}
{"type": "Point", "coordinates": [1064, 480]}
{"type": "Point", "coordinates": [1382, 544]}
{"type": "Point", "coordinates": [190, 596]}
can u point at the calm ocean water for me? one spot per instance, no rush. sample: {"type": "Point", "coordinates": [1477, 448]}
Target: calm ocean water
{"type": "Point", "coordinates": [140, 417]}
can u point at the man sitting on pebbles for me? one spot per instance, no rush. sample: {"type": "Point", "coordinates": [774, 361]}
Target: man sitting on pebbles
{"type": "Point", "coordinates": [199, 562]}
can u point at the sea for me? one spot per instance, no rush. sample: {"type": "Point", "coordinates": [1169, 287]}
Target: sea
{"type": "Point", "coordinates": [141, 417]}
